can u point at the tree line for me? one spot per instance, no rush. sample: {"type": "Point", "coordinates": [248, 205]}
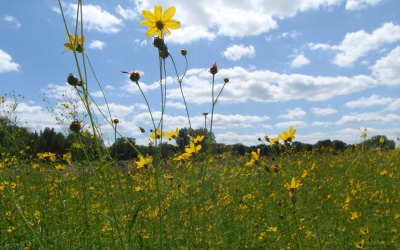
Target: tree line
{"type": "Point", "coordinates": [18, 140]}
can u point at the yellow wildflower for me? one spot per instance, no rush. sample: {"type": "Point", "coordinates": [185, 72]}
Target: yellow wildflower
{"type": "Point", "coordinates": [293, 185]}
{"type": "Point", "coordinates": [158, 22]}
{"type": "Point", "coordinates": [74, 44]}
{"type": "Point", "coordinates": [144, 162]}
{"type": "Point", "coordinates": [255, 157]}
{"type": "Point", "coordinates": [172, 135]}
{"type": "Point", "coordinates": [288, 136]}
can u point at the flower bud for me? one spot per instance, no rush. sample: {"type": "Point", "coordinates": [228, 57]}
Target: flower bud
{"type": "Point", "coordinates": [142, 129]}
{"type": "Point", "coordinates": [214, 69]}
{"type": "Point", "coordinates": [75, 126]}
{"type": "Point", "coordinates": [116, 121]}
{"type": "Point", "coordinates": [134, 76]}
{"type": "Point", "coordinates": [73, 80]}
{"type": "Point", "coordinates": [226, 80]}
{"type": "Point", "coordinates": [183, 52]}
{"type": "Point", "coordinates": [158, 43]}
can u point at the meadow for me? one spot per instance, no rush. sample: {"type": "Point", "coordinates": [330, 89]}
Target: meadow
{"type": "Point", "coordinates": [340, 201]}
{"type": "Point", "coordinates": [196, 199]}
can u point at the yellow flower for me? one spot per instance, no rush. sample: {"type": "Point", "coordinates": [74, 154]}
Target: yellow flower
{"type": "Point", "coordinates": [382, 140]}
{"type": "Point", "coordinates": [172, 135]}
{"type": "Point", "coordinates": [191, 150]}
{"type": "Point", "coordinates": [138, 189]}
{"type": "Point", "coordinates": [272, 229]}
{"type": "Point", "coordinates": [364, 230]}
{"type": "Point", "coordinates": [255, 157]}
{"type": "Point", "coordinates": [75, 44]}
{"type": "Point", "coordinates": [197, 139]}
{"type": "Point", "coordinates": [293, 185]}
{"type": "Point", "coordinates": [288, 136]}
{"type": "Point", "coordinates": [157, 134]}
{"type": "Point", "coordinates": [274, 140]}
{"type": "Point", "coordinates": [144, 162]}
{"type": "Point", "coordinates": [158, 22]}
{"type": "Point", "coordinates": [359, 245]}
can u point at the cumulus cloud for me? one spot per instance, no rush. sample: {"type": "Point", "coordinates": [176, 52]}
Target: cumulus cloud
{"type": "Point", "coordinates": [369, 117]}
{"type": "Point", "coordinates": [96, 44]}
{"type": "Point", "coordinates": [387, 68]}
{"type": "Point", "coordinates": [299, 61]}
{"type": "Point", "coordinates": [372, 101]}
{"type": "Point", "coordinates": [6, 63]}
{"type": "Point", "coordinates": [96, 18]}
{"type": "Point", "coordinates": [294, 114]}
{"type": "Point", "coordinates": [126, 13]}
{"type": "Point", "coordinates": [12, 20]}
{"type": "Point", "coordinates": [357, 44]}
{"type": "Point", "coordinates": [268, 86]}
{"type": "Point", "coordinates": [232, 18]}
{"type": "Point", "coordinates": [360, 4]}
{"type": "Point", "coordinates": [236, 52]}
{"type": "Point", "coordinates": [323, 112]}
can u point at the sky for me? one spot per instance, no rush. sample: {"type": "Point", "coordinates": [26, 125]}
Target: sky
{"type": "Point", "coordinates": [329, 68]}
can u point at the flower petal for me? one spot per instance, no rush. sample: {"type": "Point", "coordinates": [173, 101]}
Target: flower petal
{"type": "Point", "coordinates": [149, 16]}
{"type": "Point", "coordinates": [168, 13]}
{"type": "Point", "coordinates": [151, 31]}
{"type": "Point", "coordinates": [172, 24]}
{"type": "Point", "coordinates": [157, 12]}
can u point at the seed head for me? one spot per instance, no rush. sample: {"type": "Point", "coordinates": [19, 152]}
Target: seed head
{"type": "Point", "coordinates": [214, 69]}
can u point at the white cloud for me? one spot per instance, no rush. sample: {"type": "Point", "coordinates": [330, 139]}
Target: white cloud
{"type": "Point", "coordinates": [295, 124]}
{"type": "Point", "coordinates": [126, 13]}
{"type": "Point", "coordinates": [96, 44]}
{"type": "Point", "coordinates": [6, 63]}
{"type": "Point", "coordinates": [294, 114]}
{"type": "Point", "coordinates": [299, 61]}
{"type": "Point", "coordinates": [96, 18]}
{"type": "Point", "coordinates": [292, 34]}
{"type": "Point", "coordinates": [372, 101]}
{"type": "Point", "coordinates": [368, 118]}
{"type": "Point", "coordinates": [267, 86]}
{"type": "Point", "coordinates": [357, 44]}
{"type": "Point", "coordinates": [321, 124]}
{"type": "Point", "coordinates": [321, 46]}
{"type": "Point", "coordinates": [360, 4]}
{"type": "Point", "coordinates": [323, 112]}
{"type": "Point", "coordinates": [387, 69]}
{"type": "Point", "coordinates": [395, 105]}
{"type": "Point", "coordinates": [189, 34]}
{"type": "Point", "coordinates": [234, 18]}
{"type": "Point", "coordinates": [12, 20]}
{"type": "Point", "coordinates": [236, 52]}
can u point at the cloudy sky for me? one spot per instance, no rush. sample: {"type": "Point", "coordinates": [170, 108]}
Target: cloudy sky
{"type": "Point", "coordinates": [326, 67]}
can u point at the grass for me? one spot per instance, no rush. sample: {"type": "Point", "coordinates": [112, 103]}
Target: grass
{"type": "Point", "coordinates": [340, 203]}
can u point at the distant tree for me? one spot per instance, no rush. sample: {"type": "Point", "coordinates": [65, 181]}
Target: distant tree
{"type": "Point", "coordinates": [183, 138]}
{"type": "Point", "coordinates": [122, 149]}
{"type": "Point", "coordinates": [379, 141]}
{"type": "Point", "coordinates": [239, 149]}
{"type": "Point", "coordinates": [338, 145]}
{"type": "Point", "coordinates": [322, 144]}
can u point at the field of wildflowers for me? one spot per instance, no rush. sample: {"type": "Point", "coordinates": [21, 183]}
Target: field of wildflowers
{"type": "Point", "coordinates": [196, 199]}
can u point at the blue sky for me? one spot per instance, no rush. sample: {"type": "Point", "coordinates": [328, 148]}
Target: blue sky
{"type": "Point", "coordinates": [326, 67]}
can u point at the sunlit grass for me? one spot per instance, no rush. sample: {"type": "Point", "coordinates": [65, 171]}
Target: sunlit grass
{"type": "Point", "coordinates": [340, 202]}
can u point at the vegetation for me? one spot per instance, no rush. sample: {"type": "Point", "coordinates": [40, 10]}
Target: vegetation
{"type": "Point", "coordinates": [184, 190]}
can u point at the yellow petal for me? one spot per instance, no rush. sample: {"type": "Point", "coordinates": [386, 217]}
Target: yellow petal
{"type": "Point", "coordinates": [157, 12]}
{"type": "Point", "coordinates": [168, 13]}
{"type": "Point", "coordinates": [149, 16]}
{"type": "Point", "coordinates": [172, 24]}
{"type": "Point", "coordinates": [82, 40]}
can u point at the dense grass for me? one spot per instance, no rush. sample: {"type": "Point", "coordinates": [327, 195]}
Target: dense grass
{"type": "Point", "coordinates": [344, 198]}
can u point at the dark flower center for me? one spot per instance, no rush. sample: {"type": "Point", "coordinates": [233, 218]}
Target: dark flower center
{"type": "Point", "coordinates": [160, 25]}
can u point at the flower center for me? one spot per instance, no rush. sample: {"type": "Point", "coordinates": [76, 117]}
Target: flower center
{"type": "Point", "coordinates": [160, 25]}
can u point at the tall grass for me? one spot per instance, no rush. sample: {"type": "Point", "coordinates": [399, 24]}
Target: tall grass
{"type": "Point", "coordinates": [196, 199]}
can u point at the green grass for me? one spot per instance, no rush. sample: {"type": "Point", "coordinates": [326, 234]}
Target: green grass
{"type": "Point", "coordinates": [231, 207]}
